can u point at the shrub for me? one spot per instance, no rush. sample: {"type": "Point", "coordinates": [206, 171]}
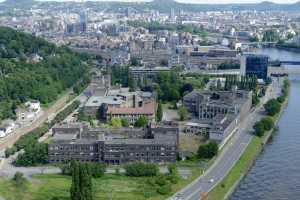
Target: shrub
{"type": "Point", "coordinates": [124, 122]}
{"type": "Point", "coordinates": [141, 169]}
{"type": "Point", "coordinates": [173, 176]}
{"type": "Point", "coordinates": [165, 189]}
{"type": "Point", "coordinates": [19, 179]}
{"type": "Point", "coordinates": [141, 122]}
{"type": "Point", "coordinates": [208, 151]}
{"type": "Point", "coordinates": [259, 129]}
{"type": "Point", "coordinates": [10, 151]}
{"type": "Point", "coordinates": [161, 180]}
{"type": "Point", "coordinates": [272, 107]}
{"type": "Point", "coordinates": [97, 170]}
{"type": "Point", "coordinates": [268, 123]}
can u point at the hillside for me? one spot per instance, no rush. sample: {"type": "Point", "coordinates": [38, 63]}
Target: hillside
{"type": "Point", "coordinates": [32, 68]}
{"type": "Point", "coordinates": [161, 5]}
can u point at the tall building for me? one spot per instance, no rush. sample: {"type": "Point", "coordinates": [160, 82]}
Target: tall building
{"type": "Point", "coordinates": [172, 15]}
{"type": "Point", "coordinates": [83, 22]}
{"type": "Point", "coordinates": [254, 64]}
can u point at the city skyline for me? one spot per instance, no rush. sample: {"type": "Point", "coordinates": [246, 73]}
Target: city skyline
{"type": "Point", "coordinates": [193, 1]}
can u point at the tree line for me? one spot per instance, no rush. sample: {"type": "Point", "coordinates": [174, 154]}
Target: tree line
{"type": "Point", "coordinates": [272, 108]}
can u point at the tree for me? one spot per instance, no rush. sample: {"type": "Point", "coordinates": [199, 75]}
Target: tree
{"type": "Point", "coordinates": [268, 123]}
{"type": "Point", "coordinates": [85, 182]}
{"type": "Point", "coordinates": [159, 112]}
{"type": "Point", "coordinates": [259, 129]}
{"type": "Point", "coordinates": [255, 99]}
{"type": "Point", "coordinates": [141, 169]}
{"type": "Point", "coordinates": [173, 176]}
{"type": "Point", "coordinates": [97, 170]}
{"type": "Point", "coordinates": [81, 187]}
{"type": "Point", "coordinates": [75, 186]}
{"type": "Point", "coordinates": [124, 122]}
{"type": "Point", "coordinates": [208, 151]}
{"type": "Point", "coordinates": [141, 121]}
{"type": "Point", "coordinates": [272, 107]}
{"type": "Point", "coordinates": [116, 122]}
{"type": "Point", "coordinates": [183, 113]}
{"type": "Point", "coordinates": [19, 179]}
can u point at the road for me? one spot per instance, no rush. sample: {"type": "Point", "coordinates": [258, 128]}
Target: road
{"type": "Point", "coordinates": [230, 153]}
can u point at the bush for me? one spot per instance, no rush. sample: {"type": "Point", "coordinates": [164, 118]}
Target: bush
{"type": "Point", "coordinates": [124, 122]}
{"type": "Point", "coordinates": [173, 176]}
{"type": "Point", "coordinates": [141, 169]}
{"type": "Point", "coordinates": [259, 129]}
{"type": "Point", "coordinates": [19, 179]}
{"type": "Point", "coordinates": [272, 107]}
{"type": "Point", "coordinates": [161, 180]}
{"type": "Point", "coordinates": [165, 189]}
{"type": "Point", "coordinates": [116, 122]}
{"type": "Point", "coordinates": [281, 99]}
{"type": "Point", "coordinates": [183, 113]}
{"type": "Point", "coordinates": [97, 170]}
{"type": "Point", "coordinates": [141, 122]}
{"type": "Point", "coordinates": [268, 123]}
{"type": "Point", "coordinates": [208, 151]}
{"type": "Point", "coordinates": [10, 151]}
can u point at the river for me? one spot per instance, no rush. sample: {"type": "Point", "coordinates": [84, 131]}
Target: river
{"type": "Point", "coordinates": [276, 173]}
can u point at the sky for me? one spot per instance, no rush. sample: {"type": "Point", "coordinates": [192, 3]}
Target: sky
{"type": "Point", "coordinates": [202, 1]}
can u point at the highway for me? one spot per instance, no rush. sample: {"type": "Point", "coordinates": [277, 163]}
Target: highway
{"type": "Point", "coordinates": [230, 154]}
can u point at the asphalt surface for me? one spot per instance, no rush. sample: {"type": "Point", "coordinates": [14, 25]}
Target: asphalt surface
{"type": "Point", "coordinates": [230, 153]}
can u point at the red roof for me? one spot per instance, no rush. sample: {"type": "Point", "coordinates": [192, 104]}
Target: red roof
{"type": "Point", "coordinates": [147, 108]}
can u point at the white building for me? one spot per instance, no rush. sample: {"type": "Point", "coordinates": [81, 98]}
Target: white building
{"type": "Point", "coordinates": [33, 106]}
{"type": "Point", "coordinates": [6, 128]}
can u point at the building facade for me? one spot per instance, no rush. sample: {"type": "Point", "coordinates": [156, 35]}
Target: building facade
{"type": "Point", "coordinates": [255, 65]}
{"type": "Point", "coordinates": [153, 145]}
{"type": "Point", "coordinates": [216, 114]}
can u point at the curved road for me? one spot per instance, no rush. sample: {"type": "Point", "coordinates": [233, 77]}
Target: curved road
{"type": "Point", "coordinates": [230, 153]}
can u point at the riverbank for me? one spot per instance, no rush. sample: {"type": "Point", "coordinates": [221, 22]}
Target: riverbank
{"type": "Point", "coordinates": [228, 185]}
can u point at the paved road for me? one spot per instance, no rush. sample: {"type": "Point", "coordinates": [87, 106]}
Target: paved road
{"type": "Point", "coordinates": [230, 153]}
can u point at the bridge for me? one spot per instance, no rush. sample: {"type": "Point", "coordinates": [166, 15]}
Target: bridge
{"type": "Point", "coordinates": [289, 62]}
{"type": "Point", "coordinates": [283, 70]}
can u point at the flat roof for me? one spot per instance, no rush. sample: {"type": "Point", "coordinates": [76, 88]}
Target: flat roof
{"type": "Point", "coordinates": [96, 101]}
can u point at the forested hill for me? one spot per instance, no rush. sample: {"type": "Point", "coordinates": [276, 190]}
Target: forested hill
{"type": "Point", "coordinates": [32, 68]}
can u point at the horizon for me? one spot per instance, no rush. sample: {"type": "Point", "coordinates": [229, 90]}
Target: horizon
{"type": "Point", "coordinates": [189, 1]}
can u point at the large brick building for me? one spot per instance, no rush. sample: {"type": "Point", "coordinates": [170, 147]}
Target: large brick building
{"type": "Point", "coordinates": [113, 146]}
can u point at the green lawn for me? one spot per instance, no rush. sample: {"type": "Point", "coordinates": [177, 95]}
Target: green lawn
{"type": "Point", "coordinates": [120, 187]}
{"type": "Point", "coordinates": [240, 168]}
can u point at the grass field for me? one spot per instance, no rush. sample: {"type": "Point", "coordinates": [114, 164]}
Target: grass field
{"type": "Point", "coordinates": [119, 187]}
